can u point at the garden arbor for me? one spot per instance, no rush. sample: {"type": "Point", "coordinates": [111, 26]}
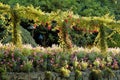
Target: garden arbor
{"type": "Point", "coordinates": [88, 23]}
{"type": "Point", "coordinates": [101, 23]}
{"type": "Point", "coordinates": [65, 21]}
{"type": "Point", "coordinates": [16, 13]}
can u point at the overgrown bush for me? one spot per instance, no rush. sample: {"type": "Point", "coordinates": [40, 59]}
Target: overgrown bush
{"type": "Point", "coordinates": [26, 38]}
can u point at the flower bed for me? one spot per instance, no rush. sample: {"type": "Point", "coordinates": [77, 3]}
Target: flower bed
{"type": "Point", "coordinates": [52, 59]}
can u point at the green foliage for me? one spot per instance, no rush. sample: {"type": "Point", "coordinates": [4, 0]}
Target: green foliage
{"type": "Point", "coordinates": [3, 73]}
{"type": "Point", "coordinates": [114, 40]}
{"type": "Point", "coordinates": [103, 44]}
{"type": "Point", "coordinates": [108, 73]}
{"type": "Point", "coordinates": [81, 55]}
{"type": "Point", "coordinates": [16, 12]}
{"type": "Point", "coordinates": [17, 53]}
{"type": "Point", "coordinates": [82, 38]}
{"type": "Point", "coordinates": [64, 37]}
{"type": "Point", "coordinates": [84, 65]}
{"type": "Point", "coordinates": [117, 10]}
{"type": "Point", "coordinates": [65, 73]}
{"type": "Point", "coordinates": [81, 7]}
{"type": "Point", "coordinates": [78, 75]}
{"type": "Point", "coordinates": [13, 57]}
{"type": "Point", "coordinates": [5, 27]}
{"type": "Point", "coordinates": [91, 8]}
{"type": "Point", "coordinates": [96, 74]}
{"type": "Point", "coordinates": [27, 38]}
{"type": "Point", "coordinates": [48, 75]}
{"type": "Point", "coordinates": [27, 66]}
{"type": "Point", "coordinates": [16, 36]}
{"type": "Point", "coordinates": [93, 56]}
{"type": "Point", "coordinates": [15, 22]}
{"type": "Point", "coordinates": [26, 51]}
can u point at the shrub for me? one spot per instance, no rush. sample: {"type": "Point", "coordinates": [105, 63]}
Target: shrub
{"type": "Point", "coordinates": [96, 74]}
{"type": "Point", "coordinates": [27, 66]}
{"type": "Point", "coordinates": [3, 73]}
{"type": "Point", "coordinates": [114, 41]}
{"type": "Point", "coordinates": [26, 38]}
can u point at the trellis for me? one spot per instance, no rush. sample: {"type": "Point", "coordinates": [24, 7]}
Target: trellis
{"type": "Point", "coordinates": [65, 21]}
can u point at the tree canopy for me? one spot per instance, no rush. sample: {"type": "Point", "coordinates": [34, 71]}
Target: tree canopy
{"type": "Point", "coordinates": [81, 7]}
